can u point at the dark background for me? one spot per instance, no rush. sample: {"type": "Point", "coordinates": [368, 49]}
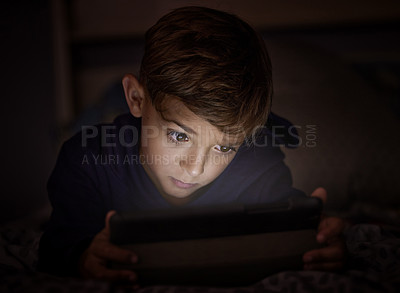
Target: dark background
{"type": "Point", "coordinates": [27, 78]}
{"type": "Point", "coordinates": [94, 56]}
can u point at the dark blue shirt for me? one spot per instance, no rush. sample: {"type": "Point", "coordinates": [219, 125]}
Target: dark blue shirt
{"type": "Point", "coordinates": [98, 170]}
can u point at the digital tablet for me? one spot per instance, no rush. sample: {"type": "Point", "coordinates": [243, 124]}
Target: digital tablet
{"type": "Point", "coordinates": [226, 245]}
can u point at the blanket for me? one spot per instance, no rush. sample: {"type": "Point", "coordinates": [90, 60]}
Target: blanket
{"type": "Point", "coordinates": [373, 266]}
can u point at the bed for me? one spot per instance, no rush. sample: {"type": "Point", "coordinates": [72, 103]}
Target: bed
{"type": "Point", "coordinates": [373, 266]}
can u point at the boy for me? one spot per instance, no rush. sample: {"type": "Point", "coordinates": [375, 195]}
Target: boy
{"type": "Point", "coordinates": [195, 136]}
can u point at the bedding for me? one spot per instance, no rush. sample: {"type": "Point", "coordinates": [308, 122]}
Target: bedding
{"type": "Point", "coordinates": [373, 266]}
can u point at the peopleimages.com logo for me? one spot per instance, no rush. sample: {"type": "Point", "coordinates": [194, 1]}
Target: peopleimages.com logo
{"type": "Point", "coordinates": [128, 136]}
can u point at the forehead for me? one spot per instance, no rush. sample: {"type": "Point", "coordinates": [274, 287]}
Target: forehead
{"type": "Point", "coordinates": [175, 111]}
{"type": "Point", "coordinates": [173, 108]}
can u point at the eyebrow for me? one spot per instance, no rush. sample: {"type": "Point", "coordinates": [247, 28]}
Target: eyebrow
{"type": "Point", "coordinates": [234, 144]}
{"type": "Point", "coordinates": [184, 127]}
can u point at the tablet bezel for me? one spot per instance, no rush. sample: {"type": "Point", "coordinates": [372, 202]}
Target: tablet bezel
{"type": "Point", "coordinates": [295, 213]}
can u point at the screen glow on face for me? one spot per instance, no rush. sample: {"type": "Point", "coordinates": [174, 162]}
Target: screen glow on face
{"type": "Point", "coordinates": [182, 152]}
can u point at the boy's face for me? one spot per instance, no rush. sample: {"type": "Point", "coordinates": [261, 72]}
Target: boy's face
{"type": "Point", "coordinates": [180, 151]}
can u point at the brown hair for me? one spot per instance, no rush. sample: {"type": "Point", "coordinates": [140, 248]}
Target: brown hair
{"type": "Point", "coordinates": [212, 61]}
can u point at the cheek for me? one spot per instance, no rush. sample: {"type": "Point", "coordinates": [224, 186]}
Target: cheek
{"type": "Point", "coordinates": [161, 157]}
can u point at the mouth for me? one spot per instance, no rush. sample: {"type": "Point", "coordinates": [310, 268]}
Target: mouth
{"type": "Point", "coordinates": [181, 184]}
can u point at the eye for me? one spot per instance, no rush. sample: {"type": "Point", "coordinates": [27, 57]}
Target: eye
{"type": "Point", "coordinates": [182, 137]}
{"type": "Point", "coordinates": [225, 149]}
{"type": "Point", "coordinates": [177, 136]}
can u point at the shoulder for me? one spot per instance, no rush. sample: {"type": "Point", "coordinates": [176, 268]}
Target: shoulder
{"type": "Point", "coordinates": [278, 131]}
{"type": "Point", "coordinates": [263, 149]}
{"type": "Point", "coordinates": [91, 157]}
{"type": "Point", "coordinates": [104, 138]}
{"type": "Point", "coordinates": [258, 170]}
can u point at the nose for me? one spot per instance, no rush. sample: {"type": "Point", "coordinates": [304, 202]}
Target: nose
{"type": "Point", "coordinates": [193, 162]}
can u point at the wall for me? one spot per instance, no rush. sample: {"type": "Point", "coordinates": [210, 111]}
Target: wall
{"type": "Point", "coordinates": [27, 107]}
{"type": "Point", "coordinates": [31, 104]}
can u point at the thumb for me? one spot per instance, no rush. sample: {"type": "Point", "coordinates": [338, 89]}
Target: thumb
{"type": "Point", "coordinates": [108, 217]}
{"type": "Point", "coordinates": [321, 193]}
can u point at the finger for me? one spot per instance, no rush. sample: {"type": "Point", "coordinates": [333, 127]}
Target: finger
{"type": "Point", "coordinates": [320, 193]}
{"type": "Point", "coordinates": [329, 266]}
{"type": "Point", "coordinates": [108, 216]}
{"type": "Point", "coordinates": [95, 267]}
{"type": "Point", "coordinates": [105, 233]}
{"type": "Point", "coordinates": [331, 253]}
{"type": "Point", "coordinates": [330, 228]}
{"type": "Point", "coordinates": [107, 251]}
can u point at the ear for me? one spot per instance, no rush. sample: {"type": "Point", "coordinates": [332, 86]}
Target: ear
{"type": "Point", "coordinates": [134, 94]}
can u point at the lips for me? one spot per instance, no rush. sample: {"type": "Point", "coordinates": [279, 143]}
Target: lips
{"type": "Point", "coordinates": [181, 184]}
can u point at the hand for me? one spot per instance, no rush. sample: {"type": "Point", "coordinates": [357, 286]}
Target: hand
{"type": "Point", "coordinates": [331, 257]}
{"type": "Point", "coordinates": [92, 263]}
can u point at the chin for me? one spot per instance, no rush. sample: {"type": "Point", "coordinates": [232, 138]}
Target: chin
{"type": "Point", "coordinates": [179, 194]}
{"type": "Point", "coordinates": [175, 192]}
